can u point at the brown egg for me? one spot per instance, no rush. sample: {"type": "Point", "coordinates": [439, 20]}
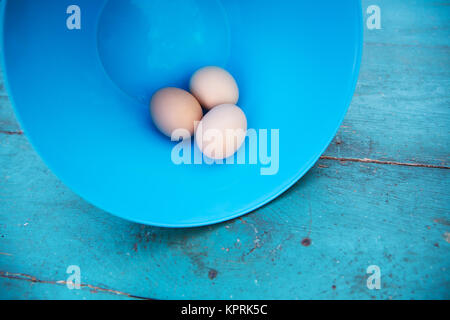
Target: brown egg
{"type": "Point", "coordinates": [172, 109]}
{"type": "Point", "coordinates": [222, 131]}
{"type": "Point", "coordinates": [213, 86]}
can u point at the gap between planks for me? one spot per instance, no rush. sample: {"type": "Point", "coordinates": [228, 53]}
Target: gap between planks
{"type": "Point", "coordinates": [364, 160]}
{"type": "Point", "coordinates": [26, 277]}
{"type": "Point", "coordinates": [392, 163]}
{"type": "Point", "coordinates": [20, 132]}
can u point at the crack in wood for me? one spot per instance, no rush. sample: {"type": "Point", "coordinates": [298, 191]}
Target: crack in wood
{"type": "Point", "coordinates": [20, 132]}
{"type": "Point", "coordinates": [394, 163]}
{"type": "Point", "coordinates": [364, 160]}
{"type": "Point", "coordinates": [26, 277]}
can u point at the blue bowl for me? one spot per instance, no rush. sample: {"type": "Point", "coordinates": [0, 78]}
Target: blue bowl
{"type": "Point", "coordinates": [81, 95]}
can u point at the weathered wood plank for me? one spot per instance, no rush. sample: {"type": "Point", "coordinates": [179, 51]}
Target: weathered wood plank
{"type": "Point", "coordinates": [8, 122]}
{"type": "Point", "coordinates": [401, 108]}
{"type": "Point", "coordinates": [355, 215]}
{"type": "Point", "coordinates": [400, 111]}
{"type": "Point", "coordinates": [13, 289]}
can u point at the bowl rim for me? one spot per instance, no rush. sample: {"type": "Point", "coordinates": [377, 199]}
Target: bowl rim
{"type": "Point", "coordinates": [273, 195]}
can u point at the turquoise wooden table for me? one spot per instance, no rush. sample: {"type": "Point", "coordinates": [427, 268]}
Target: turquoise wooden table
{"type": "Point", "coordinates": [379, 196]}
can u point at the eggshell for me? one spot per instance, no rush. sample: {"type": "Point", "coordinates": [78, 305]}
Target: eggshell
{"type": "Point", "coordinates": [173, 108]}
{"type": "Point", "coordinates": [213, 86]}
{"type": "Point", "coordinates": [222, 131]}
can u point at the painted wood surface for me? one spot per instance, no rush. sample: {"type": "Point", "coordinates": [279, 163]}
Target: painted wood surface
{"type": "Point", "coordinates": [379, 196]}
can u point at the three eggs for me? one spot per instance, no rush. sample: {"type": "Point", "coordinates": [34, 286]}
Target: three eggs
{"type": "Point", "coordinates": [179, 114]}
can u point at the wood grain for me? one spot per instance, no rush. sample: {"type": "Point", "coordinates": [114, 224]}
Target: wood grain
{"type": "Point", "coordinates": [400, 110]}
{"type": "Point", "coordinates": [315, 241]}
{"type": "Point", "coordinates": [355, 215]}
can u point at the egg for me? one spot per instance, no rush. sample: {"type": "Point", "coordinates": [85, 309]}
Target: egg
{"type": "Point", "coordinates": [221, 132]}
{"type": "Point", "coordinates": [173, 108]}
{"type": "Point", "coordinates": [213, 86]}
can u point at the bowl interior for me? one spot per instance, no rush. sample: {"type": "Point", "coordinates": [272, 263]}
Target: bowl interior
{"type": "Point", "coordinates": [82, 95]}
